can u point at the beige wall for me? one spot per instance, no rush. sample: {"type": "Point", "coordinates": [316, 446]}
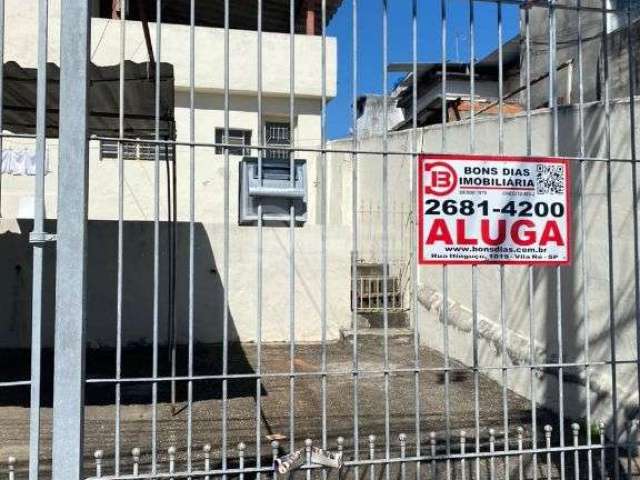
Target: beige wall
{"type": "Point", "coordinates": [21, 33]}
{"type": "Point", "coordinates": [587, 310]}
{"type": "Point", "coordinates": [139, 194]}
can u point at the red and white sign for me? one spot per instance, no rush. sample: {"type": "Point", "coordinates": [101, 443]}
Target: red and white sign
{"type": "Point", "coordinates": [494, 210]}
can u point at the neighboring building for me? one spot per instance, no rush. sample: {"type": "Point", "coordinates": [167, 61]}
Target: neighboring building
{"type": "Point", "coordinates": [16, 192]}
{"type": "Point", "coordinates": [592, 25]}
{"type": "Point", "coordinates": [458, 92]}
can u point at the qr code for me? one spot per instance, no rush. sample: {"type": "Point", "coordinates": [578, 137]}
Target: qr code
{"type": "Point", "coordinates": [550, 179]}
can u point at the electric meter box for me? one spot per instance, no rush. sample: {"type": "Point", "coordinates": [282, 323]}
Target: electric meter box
{"type": "Point", "coordinates": [275, 193]}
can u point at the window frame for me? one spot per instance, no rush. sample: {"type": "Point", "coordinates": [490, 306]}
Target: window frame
{"type": "Point", "coordinates": [243, 150]}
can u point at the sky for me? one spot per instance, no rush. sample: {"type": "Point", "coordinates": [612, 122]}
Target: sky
{"type": "Point", "coordinates": [370, 68]}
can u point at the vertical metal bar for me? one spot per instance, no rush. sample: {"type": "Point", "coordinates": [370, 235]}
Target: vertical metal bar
{"type": "Point", "coordinates": [531, 300]}
{"type": "Point", "coordinates": [308, 443]}
{"type": "Point", "coordinates": [354, 234]}
{"type": "Point", "coordinates": [434, 465]}
{"type": "Point", "coordinates": [372, 456]}
{"type": "Point", "coordinates": [634, 186]}
{"type": "Point", "coordinates": [71, 259]}
{"type": "Point", "coordinates": [504, 333]}
{"type": "Point", "coordinates": [38, 226]}
{"type": "Point", "coordinates": [135, 457]}
{"type": "Point", "coordinates": [192, 233]}
{"type": "Point", "coordinates": [120, 261]}
{"type": "Point", "coordinates": [492, 458]}
{"type": "Point", "coordinates": [553, 105]}
{"type": "Point", "coordinates": [402, 438]}
{"type": "Point", "coordinates": [520, 434]}
{"type": "Point", "coordinates": [97, 455]}
{"type": "Point", "coordinates": [156, 244]}
{"type": "Point", "coordinates": [11, 461]}
{"type": "Point", "coordinates": [323, 246]}
{"type": "Point", "coordinates": [275, 447]}
{"type": "Point", "coordinates": [463, 464]}
{"type": "Point", "coordinates": [445, 272]}
{"type": "Point", "coordinates": [259, 258]}
{"type": "Point", "coordinates": [171, 453]}
{"type": "Point", "coordinates": [292, 248]}
{"type": "Point", "coordinates": [385, 233]}
{"type": "Point", "coordinates": [241, 448]}
{"type": "Point", "coordinates": [474, 268]}
{"type": "Point", "coordinates": [603, 450]}
{"type": "Point", "coordinates": [206, 450]}
{"type": "Point", "coordinates": [612, 319]}
{"type": "Point", "coordinates": [226, 278]}
{"type": "Point", "coordinates": [547, 439]}
{"type": "Point", "coordinates": [414, 233]}
{"type": "Point", "coordinates": [575, 428]}
{"type": "Point", "coordinates": [583, 241]}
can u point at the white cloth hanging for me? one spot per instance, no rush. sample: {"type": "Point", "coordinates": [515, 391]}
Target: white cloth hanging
{"type": "Point", "coordinates": [21, 162]}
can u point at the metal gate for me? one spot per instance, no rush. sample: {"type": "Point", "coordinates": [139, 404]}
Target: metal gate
{"type": "Point", "coordinates": [225, 306]}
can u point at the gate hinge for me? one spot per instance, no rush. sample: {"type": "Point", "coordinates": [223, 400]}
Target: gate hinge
{"type": "Point", "coordinates": [41, 237]}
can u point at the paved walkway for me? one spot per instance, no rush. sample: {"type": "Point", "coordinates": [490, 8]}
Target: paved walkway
{"type": "Point", "coordinates": [136, 413]}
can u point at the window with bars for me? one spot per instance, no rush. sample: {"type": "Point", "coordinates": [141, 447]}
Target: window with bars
{"type": "Point", "coordinates": [237, 136]}
{"type": "Point", "coordinates": [134, 151]}
{"type": "Point", "coordinates": [278, 133]}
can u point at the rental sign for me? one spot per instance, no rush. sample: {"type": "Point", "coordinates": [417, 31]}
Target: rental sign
{"type": "Point", "coordinates": [493, 210]}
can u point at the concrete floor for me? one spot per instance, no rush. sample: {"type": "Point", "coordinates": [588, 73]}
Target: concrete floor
{"type": "Point", "coordinates": [136, 414]}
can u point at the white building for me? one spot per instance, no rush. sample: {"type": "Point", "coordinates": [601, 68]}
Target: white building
{"type": "Point", "coordinates": [17, 191]}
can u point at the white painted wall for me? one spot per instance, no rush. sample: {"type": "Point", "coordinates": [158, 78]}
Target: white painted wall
{"type": "Point", "coordinates": [17, 193]}
{"type": "Point", "coordinates": [585, 308]}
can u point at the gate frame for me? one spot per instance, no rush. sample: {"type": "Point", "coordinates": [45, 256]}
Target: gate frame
{"type": "Point", "coordinates": [71, 249]}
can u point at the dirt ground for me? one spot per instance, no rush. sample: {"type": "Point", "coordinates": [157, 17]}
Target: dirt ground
{"type": "Point", "coordinates": [172, 420]}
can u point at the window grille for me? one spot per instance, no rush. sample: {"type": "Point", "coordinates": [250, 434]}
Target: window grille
{"type": "Point", "coordinates": [236, 137]}
{"type": "Point", "coordinates": [134, 151]}
{"type": "Point", "coordinates": [279, 134]}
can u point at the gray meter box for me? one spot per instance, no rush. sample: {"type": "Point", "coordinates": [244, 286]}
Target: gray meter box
{"type": "Point", "coordinates": [276, 193]}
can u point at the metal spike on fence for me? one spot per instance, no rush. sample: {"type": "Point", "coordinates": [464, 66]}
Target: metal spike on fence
{"type": "Point", "coordinates": [547, 439]}
{"type": "Point", "coordinates": [632, 441]}
{"type": "Point", "coordinates": [520, 436]}
{"type": "Point", "coordinates": [97, 455]}
{"type": "Point", "coordinates": [432, 440]}
{"type": "Point", "coordinates": [206, 450]}
{"type": "Point", "coordinates": [402, 438]}
{"type": "Point", "coordinates": [241, 448]}
{"type": "Point", "coordinates": [372, 455]}
{"type": "Point", "coordinates": [492, 449]}
{"type": "Point", "coordinates": [135, 453]}
{"type": "Point", "coordinates": [308, 443]}
{"type": "Point", "coordinates": [575, 429]}
{"type": "Point", "coordinates": [11, 461]}
{"type": "Point", "coordinates": [602, 449]}
{"type": "Point", "coordinates": [171, 451]}
{"type": "Point", "coordinates": [275, 446]}
{"type": "Point", "coordinates": [463, 447]}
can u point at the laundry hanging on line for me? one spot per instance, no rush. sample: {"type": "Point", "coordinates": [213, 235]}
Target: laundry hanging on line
{"type": "Point", "coordinates": [21, 162]}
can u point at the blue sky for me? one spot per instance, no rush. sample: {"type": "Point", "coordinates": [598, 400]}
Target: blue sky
{"type": "Point", "coordinates": [370, 74]}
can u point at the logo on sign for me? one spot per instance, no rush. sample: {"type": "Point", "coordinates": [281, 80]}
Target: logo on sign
{"type": "Point", "coordinates": [440, 179]}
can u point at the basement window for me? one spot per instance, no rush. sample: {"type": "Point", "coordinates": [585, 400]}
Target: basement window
{"type": "Point", "coordinates": [238, 137]}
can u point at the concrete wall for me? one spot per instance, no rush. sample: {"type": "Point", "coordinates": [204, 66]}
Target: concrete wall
{"type": "Point", "coordinates": [16, 196]}
{"type": "Point", "coordinates": [21, 30]}
{"type": "Point", "coordinates": [587, 311]}
{"type": "Point", "coordinates": [15, 281]}
{"type": "Point", "coordinates": [568, 79]}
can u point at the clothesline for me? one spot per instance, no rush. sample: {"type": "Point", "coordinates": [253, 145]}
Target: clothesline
{"type": "Point", "coordinates": [21, 162]}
